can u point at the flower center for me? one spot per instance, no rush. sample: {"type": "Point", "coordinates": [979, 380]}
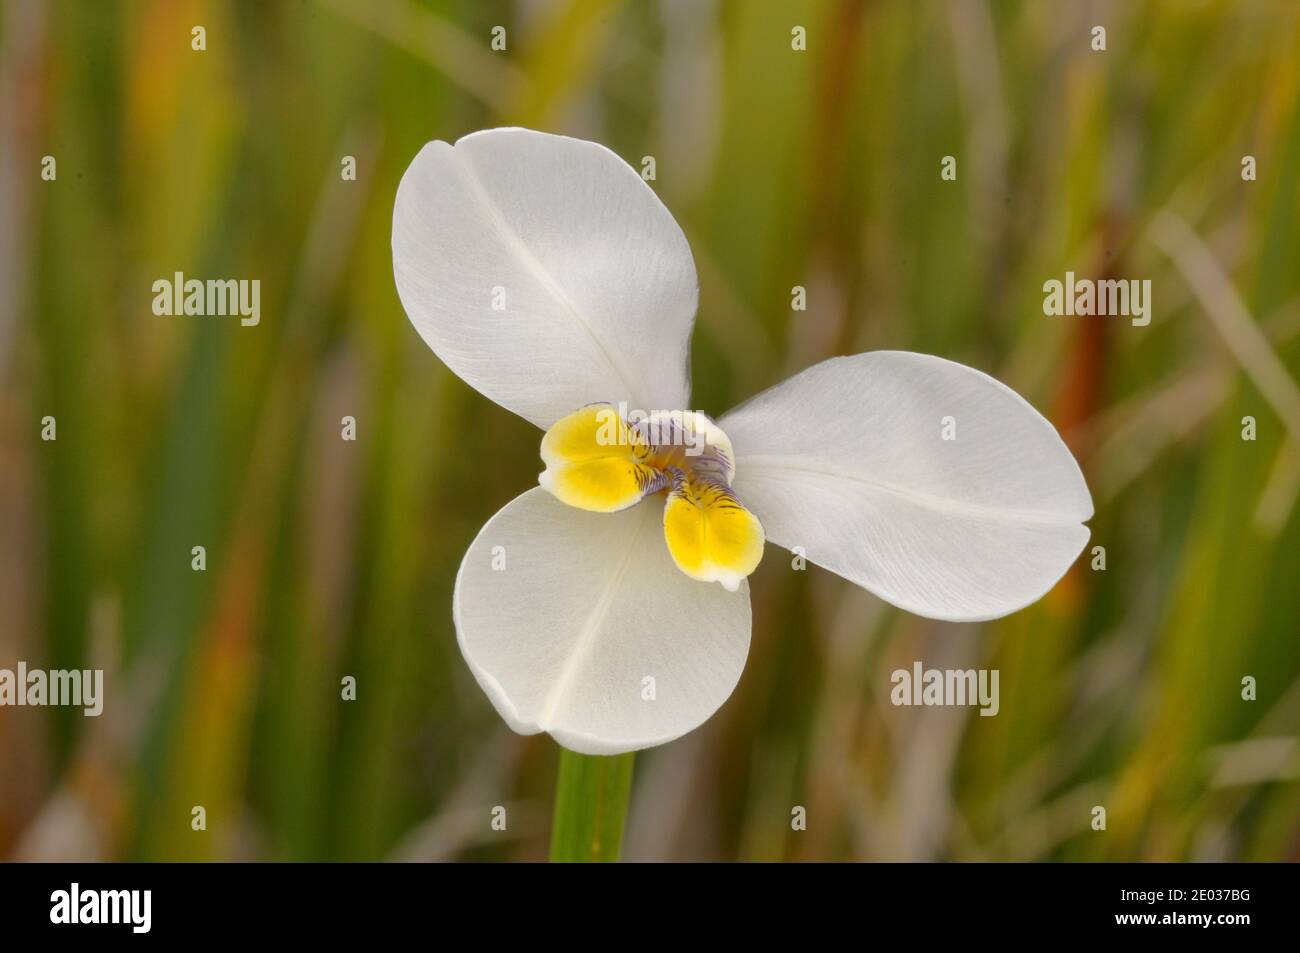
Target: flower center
{"type": "Point", "coordinates": [604, 459]}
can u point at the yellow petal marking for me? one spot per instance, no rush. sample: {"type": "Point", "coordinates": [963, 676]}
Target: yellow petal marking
{"type": "Point", "coordinates": [594, 461]}
{"type": "Point", "coordinates": [710, 536]}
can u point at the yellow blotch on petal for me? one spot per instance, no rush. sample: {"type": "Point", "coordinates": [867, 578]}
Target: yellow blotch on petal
{"type": "Point", "coordinates": [594, 461]}
{"type": "Point", "coordinates": [710, 536]}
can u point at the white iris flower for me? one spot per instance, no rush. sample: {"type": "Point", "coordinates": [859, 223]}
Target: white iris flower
{"type": "Point", "coordinates": [549, 276]}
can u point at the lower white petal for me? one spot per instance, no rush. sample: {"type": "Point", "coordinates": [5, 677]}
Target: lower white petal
{"type": "Point", "coordinates": [587, 630]}
{"type": "Point", "coordinates": [856, 461]}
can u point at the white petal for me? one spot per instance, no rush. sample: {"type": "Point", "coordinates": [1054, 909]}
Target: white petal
{"type": "Point", "coordinates": [598, 281]}
{"type": "Point", "coordinates": [588, 606]}
{"type": "Point", "coordinates": [848, 461]}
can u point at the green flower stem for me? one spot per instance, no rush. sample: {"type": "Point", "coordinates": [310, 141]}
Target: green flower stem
{"type": "Point", "coordinates": [591, 796]}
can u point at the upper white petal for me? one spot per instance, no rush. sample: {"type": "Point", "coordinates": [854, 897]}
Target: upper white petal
{"type": "Point", "coordinates": [588, 606]}
{"type": "Point", "coordinates": [598, 281]}
{"type": "Point", "coordinates": [848, 460]}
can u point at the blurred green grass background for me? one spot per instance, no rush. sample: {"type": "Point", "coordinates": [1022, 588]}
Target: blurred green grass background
{"type": "Point", "coordinates": [820, 168]}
